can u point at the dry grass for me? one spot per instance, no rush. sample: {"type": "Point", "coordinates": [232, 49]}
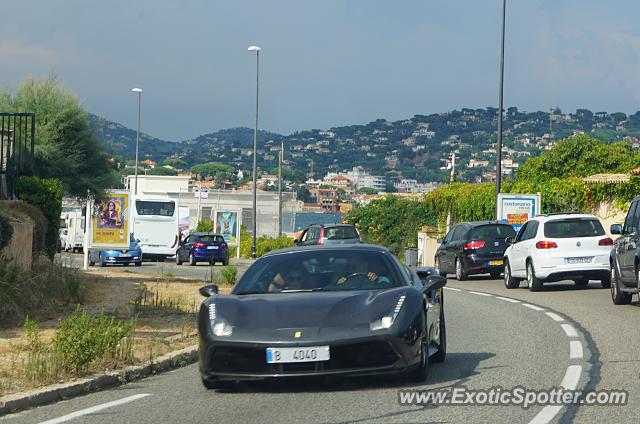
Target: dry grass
{"type": "Point", "coordinates": [165, 310]}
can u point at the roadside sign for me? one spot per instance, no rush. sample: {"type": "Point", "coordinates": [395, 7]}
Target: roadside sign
{"type": "Point", "coordinates": [516, 209]}
{"type": "Point", "coordinates": [110, 220]}
{"type": "Point", "coordinates": [226, 223]}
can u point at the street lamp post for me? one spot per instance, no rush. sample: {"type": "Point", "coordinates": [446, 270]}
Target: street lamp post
{"type": "Point", "coordinates": [255, 151]}
{"type": "Point", "coordinates": [500, 108]}
{"type": "Point", "coordinates": [139, 91]}
{"type": "Point", "coordinates": [280, 159]}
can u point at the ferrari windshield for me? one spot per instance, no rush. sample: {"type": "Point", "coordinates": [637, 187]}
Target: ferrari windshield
{"type": "Point", "coordinates": [320, 270]}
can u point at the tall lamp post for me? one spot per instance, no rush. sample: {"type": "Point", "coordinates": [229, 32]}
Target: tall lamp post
{"type": "Point", "coordinates": [500, 108]}
{"type": "Point", "coordinates": [139, 91]}
{"type": "Point", "coordinates": [255, 152]}
{"type": "Point", "coordinates": [280, 159]}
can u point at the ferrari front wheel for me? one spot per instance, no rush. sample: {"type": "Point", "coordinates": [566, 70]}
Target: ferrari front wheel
{"type": "Point", "coordinates": [420, 373]}
{"type": "Point", "coordinates": [441, 353]}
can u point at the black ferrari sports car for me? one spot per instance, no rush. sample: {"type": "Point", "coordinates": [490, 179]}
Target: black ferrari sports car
{"type": "Point", "coordinates": [332, 310]}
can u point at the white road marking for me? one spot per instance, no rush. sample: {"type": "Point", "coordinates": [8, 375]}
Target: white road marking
{"type": "Point", "coordinates": [569, 330]}
{"type": "Point", "coordinates": [575, 349]}
{"type": "Point", "coordinates": [534, 307]}
{"type": "Point", "coordinates": [94, 409]}
{"type": "Point", "coordinates": [506, 299]}
{"type": "Point", "coordinates": [452, 289]}
{"type": "Point", "coordinates": [569, 382]}
{"type": "Point", "coordinates": [554, 316]}
{"type": "Point", "coordinates": [572, 377]}
{"type": "Point", "coordinates": [481, 294]}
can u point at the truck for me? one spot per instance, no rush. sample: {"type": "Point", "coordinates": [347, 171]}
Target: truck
{"type": "Point", "coordinates": [74, 223]}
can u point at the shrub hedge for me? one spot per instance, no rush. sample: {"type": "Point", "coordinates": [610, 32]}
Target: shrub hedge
{"type": "Point", "coordinates": [46, 195]}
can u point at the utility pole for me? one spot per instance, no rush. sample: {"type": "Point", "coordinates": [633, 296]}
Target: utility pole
{"type": "Point", "coordinates": [451, 180]}
{"type": "Point", "coordinates": [280, 159]}
{"type": "Point", "coordinates": [453, 167]}
{"type": "Point", "coordinates": [500, 108]}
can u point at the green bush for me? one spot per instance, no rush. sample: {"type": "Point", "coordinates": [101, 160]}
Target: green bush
{"type": "Point", "coordinates": [263, 244]}
{"type": "Point", "coordinates": [81, 340]}
{"type": "Point", "coordinates": [46, 195]}
{"type": "Point", "coordinates": [205, 226]}
{"type": "Point", "coordinates": [229, 274]}
{"type": "Point", "coordinates": [6, 232]}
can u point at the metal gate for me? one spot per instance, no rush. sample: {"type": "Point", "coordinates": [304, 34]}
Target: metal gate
{"type": "Point", "coordinates": [17, 143]}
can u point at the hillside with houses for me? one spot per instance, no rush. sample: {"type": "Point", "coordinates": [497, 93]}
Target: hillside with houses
{"type": "Point", "coordinates": [409, 155]}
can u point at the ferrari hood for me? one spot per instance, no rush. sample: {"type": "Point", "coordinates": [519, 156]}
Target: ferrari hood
{"type": "Point", "coordinates": [280, 316]}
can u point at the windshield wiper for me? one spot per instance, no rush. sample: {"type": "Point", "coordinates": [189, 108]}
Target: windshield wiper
{"type": "Point", "coordinates": [252, 292]}
{"type": "Point", "coordinates": [302, 290]}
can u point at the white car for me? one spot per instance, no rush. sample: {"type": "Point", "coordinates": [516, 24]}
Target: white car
{"type": "Point", "coordinates": [558, 247]}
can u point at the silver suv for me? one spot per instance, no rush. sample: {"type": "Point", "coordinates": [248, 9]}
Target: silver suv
{"type": "Point", "coordinates": [328, 234]}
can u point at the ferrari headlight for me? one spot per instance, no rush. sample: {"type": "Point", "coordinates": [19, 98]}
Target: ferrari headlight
{"type": "Point", "coordinates": [387, 320]}
{"type": "Point", "coordinates": [383, 323]}
{"type": "Point", "coordinates": [222, 328]}
{"type": "Point", "coordinates": [219, 326]}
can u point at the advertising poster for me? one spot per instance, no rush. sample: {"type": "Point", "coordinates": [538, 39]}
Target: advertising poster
{"type": "Point", "coordinates": [110, 220]}
{"type": "Point", "coordinates": [183, 220]}
{"type": "Point", "coordinates": [516, 209]}
{"type": "Point", "coordinates": [226, 223]}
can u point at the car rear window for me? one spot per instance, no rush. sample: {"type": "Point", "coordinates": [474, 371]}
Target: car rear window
{"type": "Point", "coordinates": [340, 233]}
{"type": "Point", "coordinates": [492, 232]}
{"type": "Point", "coordinates": [211, 239]}
{"type": "Point", "coordinates": [567, 228]}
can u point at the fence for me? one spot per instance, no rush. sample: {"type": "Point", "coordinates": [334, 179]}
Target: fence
{"type": "Point", "coordinates": [17, 143]}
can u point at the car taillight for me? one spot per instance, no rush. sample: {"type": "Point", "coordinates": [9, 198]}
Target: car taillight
{"type": "Point", "coordinates": [544, 244]}
{"type": "Point", "coordinates": [198, 245]}
{"type": "Point", "coordinates": [477, 244]}
{"type": "Point", "coordinates": [224, 245]}
{"type": "Point", "coordinates": [607, 241]}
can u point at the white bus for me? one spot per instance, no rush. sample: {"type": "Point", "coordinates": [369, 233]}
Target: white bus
{"type": "Point", "coordinates": [155, 224]}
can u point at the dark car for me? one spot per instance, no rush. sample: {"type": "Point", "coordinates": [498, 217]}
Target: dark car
{"type": "Point", "coordinates": [328, 234]}
{"type": "Point", "coordinates": [125, 257]}
{"type": "Point", "coordinates": [329, 310]}
{"type": "Point", "coordinates": [625, 256]}
{"type": "Point", "coordinates": [203, 247]}
{"type": "Point", "coordinates": [473, 248]}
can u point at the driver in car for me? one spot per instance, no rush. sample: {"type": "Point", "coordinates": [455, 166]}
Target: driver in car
{"type": "Point", "coordinates": [357, 267]}
{"type": "Point", "coordinates": [291, 279]}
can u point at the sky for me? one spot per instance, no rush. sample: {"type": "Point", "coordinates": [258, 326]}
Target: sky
{"type": "Point", "coordinates": [323, 63]}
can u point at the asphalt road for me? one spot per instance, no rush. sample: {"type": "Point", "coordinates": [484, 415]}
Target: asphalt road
{"type": "Point", "coordinates": [491, 342]}
{"type": "Point", "coordinates": [201, 271]}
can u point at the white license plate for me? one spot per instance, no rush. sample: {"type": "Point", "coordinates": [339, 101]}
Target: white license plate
{"type": "Point", "coordinates": [212, 247]}
{"type": "Point", "coordinates": [124, 255]}
{"type": "Point", "coordinates": [584, 260]}
{"type": "Point", "coordinates": [297, 354]}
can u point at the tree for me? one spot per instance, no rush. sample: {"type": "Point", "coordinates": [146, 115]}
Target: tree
{"type": "Point", "coordinates": [213, 169]}
{"type": "Point", "coordinates": [66, 147]}
{"type": "Point", "coordinates": [579, 156]}
{"type": "Point", "coordinates": [161, 170]}
{"type": "Point", "coordinates": [367, 190]}
{"type": "Point", "coordinates": [176, 163]}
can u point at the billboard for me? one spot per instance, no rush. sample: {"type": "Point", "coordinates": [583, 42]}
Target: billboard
{"type": "Point", "coordinates": [226, 223]}
{"type": "Point", "coordinates": [516, 209]}
{"type": "Point", "coordinates": [183, 220]}
{"type": "Point", "coordinates": [110, 220]}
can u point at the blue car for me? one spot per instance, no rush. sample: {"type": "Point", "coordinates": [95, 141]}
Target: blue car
{"type": "Point", "coordinates": [133, 255]}
{"type": "Point", "coordinates": [203, 247]}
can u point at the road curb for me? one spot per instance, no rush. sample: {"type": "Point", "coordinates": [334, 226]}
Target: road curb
{"type": "Point", "coordinates": [56, 392]}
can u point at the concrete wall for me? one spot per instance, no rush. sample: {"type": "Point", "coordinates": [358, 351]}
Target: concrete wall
{"type": "Point", "coordinates": [19, 250]}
